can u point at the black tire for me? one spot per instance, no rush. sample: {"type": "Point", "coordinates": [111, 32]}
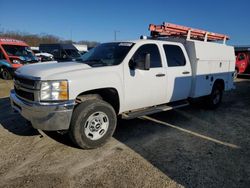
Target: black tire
{"type": "Point", "coordinates": [215, 98]}
{"type": "Point", "coordinates": [6, 75]}
{"type": "Point", "coordinates": [80, 123]}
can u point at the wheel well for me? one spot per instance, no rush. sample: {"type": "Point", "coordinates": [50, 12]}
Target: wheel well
{"type": "Point", "coordinates": [221, 83]}
{"type": "Point", "coordinates": [110, 95]}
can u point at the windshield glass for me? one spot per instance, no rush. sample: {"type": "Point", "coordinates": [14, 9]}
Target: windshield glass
{"type": "Point", "coordinates": [107, 54]}
{"type": "Point", "coordinates": [72, 53]}
{"type": "Point", "coordinates": [15, 50]}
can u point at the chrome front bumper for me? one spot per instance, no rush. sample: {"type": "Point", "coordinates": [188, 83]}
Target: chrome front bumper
{"type": "Point", "coordinates": [50, 117]}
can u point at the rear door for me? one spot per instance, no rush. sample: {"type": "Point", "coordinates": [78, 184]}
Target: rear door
{"type": "Point", "coordinates": [179, 74]}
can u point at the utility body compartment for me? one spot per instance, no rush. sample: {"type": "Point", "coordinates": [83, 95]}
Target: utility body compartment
{"type": "Point", "coordinates": [209, 62]}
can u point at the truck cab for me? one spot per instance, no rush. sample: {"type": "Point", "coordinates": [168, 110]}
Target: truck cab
{"type": "Point", "coordinates": [14, 54]}
{"type": "Point", "coordinates": [242, 65]}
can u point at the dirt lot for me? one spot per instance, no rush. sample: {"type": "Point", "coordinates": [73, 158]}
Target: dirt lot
{"type": "Point", "coordinates": [191, 147]}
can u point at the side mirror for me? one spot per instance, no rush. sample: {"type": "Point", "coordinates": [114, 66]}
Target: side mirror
{"type": "Point", "coordinates": [132, 64]}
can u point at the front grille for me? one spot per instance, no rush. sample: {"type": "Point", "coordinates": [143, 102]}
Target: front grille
{"type": "Point", "coordinates": [25, 81]}
{"type": "Point", "coordinates": [24, 94]}
{"type": "Point", "coordinates": [25, 88]}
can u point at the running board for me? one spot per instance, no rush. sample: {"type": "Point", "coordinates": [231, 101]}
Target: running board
{"type": "Point", "coordinates": [154, 109]}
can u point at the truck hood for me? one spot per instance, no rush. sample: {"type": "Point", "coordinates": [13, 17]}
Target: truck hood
{"type": "Point", "coordinates": [45, 69]}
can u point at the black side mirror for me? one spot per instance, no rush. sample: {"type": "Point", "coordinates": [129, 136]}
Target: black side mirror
{"type": "Point", "coordinates": [132, 64]}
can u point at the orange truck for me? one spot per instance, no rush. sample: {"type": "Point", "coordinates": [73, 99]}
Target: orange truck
{"type": "Point", "coordinates": [14, 54]}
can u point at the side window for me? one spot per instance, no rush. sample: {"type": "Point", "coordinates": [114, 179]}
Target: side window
{"type": "Point", "coordinates": [1, 55]}
{"type": "Point", "coordinates": [174, 55]}
{"type": "Point", "coordinates": [152, 49]}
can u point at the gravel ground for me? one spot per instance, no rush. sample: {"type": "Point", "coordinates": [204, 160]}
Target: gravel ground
{"type": "Point", "coordinates": [190, 147]}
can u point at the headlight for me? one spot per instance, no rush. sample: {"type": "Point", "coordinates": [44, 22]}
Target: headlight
{"type": "Point", "coordinates": [54, 90]}
{"type": "Point", "coordinates": [15, 61]}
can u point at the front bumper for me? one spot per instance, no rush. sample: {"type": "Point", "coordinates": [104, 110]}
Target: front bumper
{"type": "Point", "coordinates": [49, 117]}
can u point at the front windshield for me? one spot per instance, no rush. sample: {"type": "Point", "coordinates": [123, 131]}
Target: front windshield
{"type": "Point", "coordinates": [107, 54]}
{"type": "Point", "coordinates": [15, 50]}
{"type": "Point", "coordinates": [72, 53]}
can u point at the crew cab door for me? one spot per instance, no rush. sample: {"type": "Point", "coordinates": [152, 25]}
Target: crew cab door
{"type": "Point", "coordinates": [144, 88]}
{"type": "Point", "coordinates": [179, 73]}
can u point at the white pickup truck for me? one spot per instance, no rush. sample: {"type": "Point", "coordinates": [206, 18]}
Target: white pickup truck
{"type": "Point", "coordinates": [130, 79]}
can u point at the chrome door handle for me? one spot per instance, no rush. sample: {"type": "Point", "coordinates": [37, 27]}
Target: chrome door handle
{"type": "Point", "coordinates": [160, 75]}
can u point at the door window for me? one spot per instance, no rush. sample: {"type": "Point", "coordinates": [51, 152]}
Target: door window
{"type": "Point", "coordinates": [174, 55]}
{"type": "Point", "coordinates": [152, 49]}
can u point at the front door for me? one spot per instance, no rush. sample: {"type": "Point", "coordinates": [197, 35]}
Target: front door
{"type": "Point", "coordinates": [145, 88]}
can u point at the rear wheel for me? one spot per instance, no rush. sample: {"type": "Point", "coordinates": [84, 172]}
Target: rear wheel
{"type": "Point", "coordinates": [93, 124]}
{"type": "Point", "coordinates": [215, 98]}
{"type": "Point", "coordinates": [6, 75]}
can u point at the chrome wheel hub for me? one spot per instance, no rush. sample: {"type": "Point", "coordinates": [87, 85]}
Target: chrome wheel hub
{"type": "Point", "coordinates": [96, 125]}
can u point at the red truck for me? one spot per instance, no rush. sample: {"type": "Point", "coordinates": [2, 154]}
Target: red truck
{"type": "Point", "coordinates": [14, 54]}
{"type": "Point", "coordinates": [242, 65]}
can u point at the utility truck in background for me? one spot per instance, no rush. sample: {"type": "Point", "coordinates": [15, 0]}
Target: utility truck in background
{"type": "Point", "coordinates": [127, 79]}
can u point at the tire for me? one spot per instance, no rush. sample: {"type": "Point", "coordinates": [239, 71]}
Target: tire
{"type": "Point", "coordinates": [215, 98]}
{"type": "Point", "coordinates": [236, 72]}
{"type": "Point", "coordinates": [6, 75]}
{"type": "Point", "coordinates": [93, 124]}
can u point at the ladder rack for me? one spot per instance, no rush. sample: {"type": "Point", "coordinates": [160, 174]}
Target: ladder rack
{"type": "Point", "coordinates": [173, 30]}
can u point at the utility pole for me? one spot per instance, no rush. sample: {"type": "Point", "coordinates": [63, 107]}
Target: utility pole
{"type": "Point", "coordinates": [115, 34]}
{"type": "Point", "coordinates": [71, 35]}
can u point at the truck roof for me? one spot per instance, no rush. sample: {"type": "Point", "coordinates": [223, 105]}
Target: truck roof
{"type": "Point", "coordinates": [10, 41]}
{"type": "Point", "coordinates": [170, 41]}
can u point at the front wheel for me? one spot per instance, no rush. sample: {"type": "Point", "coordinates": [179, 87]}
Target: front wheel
{"type": "Point", "coordinates": [93, 124]}
{"type": "Point", "coordinates": [6, 75]}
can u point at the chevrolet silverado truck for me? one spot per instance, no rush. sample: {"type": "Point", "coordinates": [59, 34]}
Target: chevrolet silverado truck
{"type": "Point", "coordinates": [127, 79]}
